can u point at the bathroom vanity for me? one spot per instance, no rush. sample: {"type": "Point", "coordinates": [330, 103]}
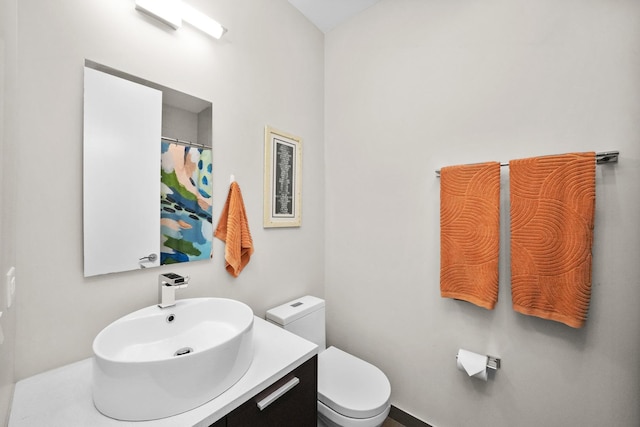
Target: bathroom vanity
{"type": "Point", "coordinates": [279, 389]}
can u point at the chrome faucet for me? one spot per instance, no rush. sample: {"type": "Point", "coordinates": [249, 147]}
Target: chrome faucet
{"type": "Point", "coordinates": [167, 285]}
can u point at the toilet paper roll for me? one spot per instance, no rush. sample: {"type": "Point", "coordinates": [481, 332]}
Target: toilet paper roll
{"type": "Point", "coordinates": [474, 364]}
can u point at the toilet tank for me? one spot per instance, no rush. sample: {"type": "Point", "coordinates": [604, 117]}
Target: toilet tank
{"type": "Point", "coordinates": [304, 317]}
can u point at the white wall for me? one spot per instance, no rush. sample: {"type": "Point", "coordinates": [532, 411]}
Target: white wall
{"type": "Point", "coordinates": [8, 171]}
{"type": "Point", "coordinates": [444, 83]}
{"type": "Point", "coordinates": [414, 85]}
{"type": "Point", "coordinates": [267, 70]}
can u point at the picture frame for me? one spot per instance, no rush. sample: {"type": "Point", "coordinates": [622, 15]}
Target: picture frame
{"type": "Point", "coordinates": [282, 179]}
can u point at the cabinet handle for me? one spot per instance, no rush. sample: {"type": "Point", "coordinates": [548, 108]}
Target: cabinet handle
{"type": "Point", "coordinates": [278, 393]}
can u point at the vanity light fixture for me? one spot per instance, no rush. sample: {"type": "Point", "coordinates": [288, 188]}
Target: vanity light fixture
{"type": "Point", "coordinates": [173, 12]}
{"type": "Point", "coordinates": [166, 11]}
{"type": "Point", "coordinates": [202, 22]}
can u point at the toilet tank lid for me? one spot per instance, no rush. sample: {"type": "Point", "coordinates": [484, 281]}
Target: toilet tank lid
{"type": "Point", "coordinates": [294, 310]}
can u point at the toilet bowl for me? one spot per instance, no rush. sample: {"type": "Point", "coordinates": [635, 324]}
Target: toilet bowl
{"type": "Point", "coordinates": [351, 392]}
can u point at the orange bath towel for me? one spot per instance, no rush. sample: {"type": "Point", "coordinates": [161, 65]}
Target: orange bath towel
{"type": "Point", "coordinates": [552, 209]}
{"type": "Point", "coordinates": [233, 228]}
{"type": "Point", "coordinates": [470, 233]}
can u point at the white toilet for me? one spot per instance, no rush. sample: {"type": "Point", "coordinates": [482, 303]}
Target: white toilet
{"type": "Point", "coordinates": [351, 392]}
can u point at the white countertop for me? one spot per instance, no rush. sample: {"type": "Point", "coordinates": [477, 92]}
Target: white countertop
{"type": "Point", "coordinates": [62, 397]}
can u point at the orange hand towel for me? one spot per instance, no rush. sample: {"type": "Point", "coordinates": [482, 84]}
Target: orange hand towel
{"type": "Point", "coordinates": [233, 228]}
{"type": "Point", "coordinates": [470, 233]}
{"type": "Point", "coordinates": [552, 210]}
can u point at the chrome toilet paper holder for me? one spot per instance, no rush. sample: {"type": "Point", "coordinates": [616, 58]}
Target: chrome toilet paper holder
{"type": "Point", "coordinates": [492, 362]}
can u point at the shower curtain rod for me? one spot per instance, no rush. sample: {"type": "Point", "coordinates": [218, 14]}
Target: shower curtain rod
{"type": "Point", "coordinates": [601, 158]}
{"type": "Point", "coordinates": [183, 142]}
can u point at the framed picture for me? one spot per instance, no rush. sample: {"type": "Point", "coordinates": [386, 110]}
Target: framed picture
{"type": "Point", "coordinates": [282, 179]}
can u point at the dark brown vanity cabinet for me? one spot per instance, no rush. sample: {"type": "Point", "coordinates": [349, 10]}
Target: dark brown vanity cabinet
{"type": "Point", "coordinates": [220, 423]}
{"type": "Point", "coordinates": [289, 402]}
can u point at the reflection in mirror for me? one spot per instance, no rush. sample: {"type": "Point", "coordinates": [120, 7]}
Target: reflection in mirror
{"type": "Point", "coordinates": [186, 203]}
{"type": "Point", "coordinates": [147, 173]}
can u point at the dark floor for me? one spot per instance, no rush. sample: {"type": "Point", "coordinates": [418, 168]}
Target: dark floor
{"type": "Point", "coordinates": [390, 422]}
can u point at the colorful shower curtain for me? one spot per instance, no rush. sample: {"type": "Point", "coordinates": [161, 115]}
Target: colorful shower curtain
{"type": "Point", "coordinates": [186, 204]}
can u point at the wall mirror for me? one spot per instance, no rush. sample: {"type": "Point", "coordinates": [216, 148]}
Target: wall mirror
{"type": "Point", "coordinates": [147, 169]}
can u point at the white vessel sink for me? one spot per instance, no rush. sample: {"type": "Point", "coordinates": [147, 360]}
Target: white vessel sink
{"type": "Point", "coordinates": [157, 362]}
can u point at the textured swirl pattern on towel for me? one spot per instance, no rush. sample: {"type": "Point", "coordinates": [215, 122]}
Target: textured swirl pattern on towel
{"type": "Point", "coordinates": [552, 210]}
{"type": "Point", "coordinates": [470, 233]}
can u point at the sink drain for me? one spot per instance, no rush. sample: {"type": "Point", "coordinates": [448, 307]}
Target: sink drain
{"type": "Point", "coordinates": [183, 351]}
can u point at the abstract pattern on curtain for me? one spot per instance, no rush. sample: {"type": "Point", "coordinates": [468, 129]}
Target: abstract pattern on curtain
{"type": "Point", "coordinates": [186, 204]}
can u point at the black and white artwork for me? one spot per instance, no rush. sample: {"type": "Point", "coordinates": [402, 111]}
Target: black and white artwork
{"type": "Point", "coordinates": [283, 158]}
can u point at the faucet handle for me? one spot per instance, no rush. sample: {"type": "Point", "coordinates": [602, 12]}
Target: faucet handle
{"type": "Point", "coordinates": [182, 285]}
{"type": "Point", "coordinates": [173, 279]}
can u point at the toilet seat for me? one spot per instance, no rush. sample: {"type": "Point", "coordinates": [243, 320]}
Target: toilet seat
{"type": "Point", "coordinates": [350, 386]}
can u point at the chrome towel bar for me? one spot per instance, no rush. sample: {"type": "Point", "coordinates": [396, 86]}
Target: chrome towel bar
{"type": "Point", "coordinates": [601, 158]}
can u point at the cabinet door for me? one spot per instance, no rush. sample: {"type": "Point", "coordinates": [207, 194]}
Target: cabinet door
{"type": "Point", "coordinates": [121, 185]}
{"type": "Point", "coordinates": [283, 404]}
{"type": "Point", "coordinates": [220, 423]}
